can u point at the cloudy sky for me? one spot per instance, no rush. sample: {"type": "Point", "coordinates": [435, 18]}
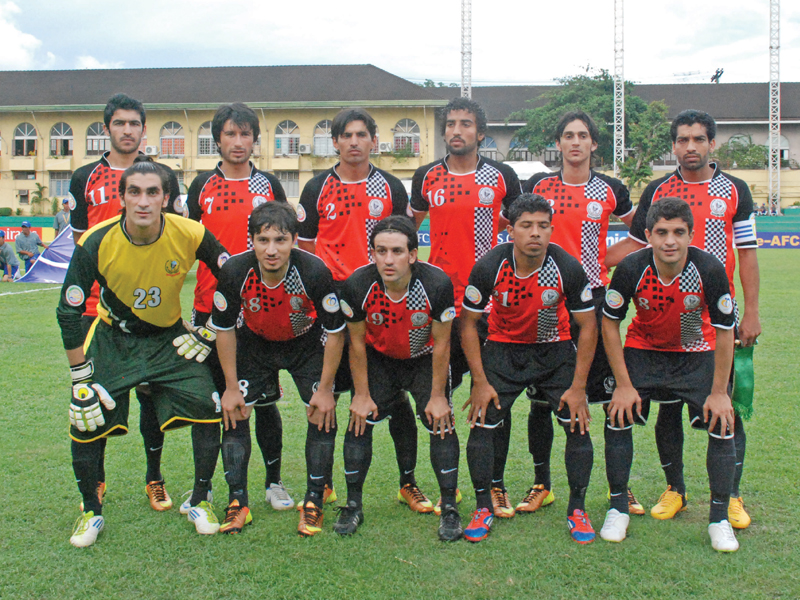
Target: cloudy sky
{"type": "Point", "coordinates": [513, 42]}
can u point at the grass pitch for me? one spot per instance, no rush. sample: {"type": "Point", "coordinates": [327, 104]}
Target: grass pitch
{"type": "Point", "coordinates": [396, 552]}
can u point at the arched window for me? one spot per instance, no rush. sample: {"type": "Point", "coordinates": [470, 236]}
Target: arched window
{"type": "Point", "coordinates": [205, 141]}
{"type": "Point", "coordinates": [97, 141]}
{"type": "Point", "coordinates": [740, 139]}
{"type": "Point", "coordinates": [489, 148]}
{"type": "Point", "coordinates": [784, 148]}
{"type": "Point", "coordinates": [61, 140]}
{"type": "Point", "coordinates": [406, 136]}
{"type": "Point", "coordinates": [172, 142]}
{"type": "Point", "coordinates": [323, 143]}
{"type": "Point", "coordinates": [287, 138]}
{"type": "Point", "coordinates": [517, 151]}
{"type": "Point", "coordinates": [25, 140]}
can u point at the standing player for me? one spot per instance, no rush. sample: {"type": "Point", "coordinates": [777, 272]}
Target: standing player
{"type": "Point", "coordinates": [679, 345]}
{"type": "Point", "coordinates": [222, 201]}
{"type": "Point", "coordinates": [132, 340]}
{"type": "Point", "coordinates": [399, 314]}
{"type": "Point", "coordinates": [466, 196]}
{"type": "Point", "coordinates": [287, 302]}
{"type": "Point", "coordinates": [583, 201]}
{"type": "Point", "coordinates": [533, 287]}
{"type": "Point", "coordinates": [723, 212]}
{"type": "Point", "coordinates": [94, 198]}
{"type": "Point", "coordinates": [337, 212]}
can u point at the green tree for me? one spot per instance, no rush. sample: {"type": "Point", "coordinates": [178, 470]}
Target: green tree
{"type": "Point", "coordinates": [740, 152]}
{"type": "Point", "coordinates": [647, 139]}
{"type": "Point", "coordinates": [38, 199]}
{"type": "Point", "coordinates": [430, 83]}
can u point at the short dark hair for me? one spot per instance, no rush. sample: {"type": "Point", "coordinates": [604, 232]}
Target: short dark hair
{"type": "Point", "coordinates": [144, 165]}
{"type": "Point", "coordinates": [122, 102]}
{"type": "Point", "coordinates": [396, 224]}
{"type": "Point", "coordinates": [669, 208]}
{"type": "Point", "coordinates": [529, 203]}
{"type": "Point", "coordinates": [577, 115]}
{"type": "Point", "coordinates": [347, 116]}
{"type": "Point", "coordinates": [242, 116]}
{"type": "Point", "coordinates": [690, 117]}
{"type": "Point", "coordinates": [469, 105]}
{"type": "Point", "coordinates": [280, 215]}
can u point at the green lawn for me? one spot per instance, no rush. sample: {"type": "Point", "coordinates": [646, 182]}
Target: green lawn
{"type": "Point", "coordinates": [395, 553]}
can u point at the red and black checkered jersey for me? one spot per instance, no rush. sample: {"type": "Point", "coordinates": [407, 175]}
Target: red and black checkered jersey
{"type": "Point", "coordinates": [722, 208]}
{"type": "Point", "coordinates": [341, 215]}
{"type": "Point", "coordinates": [533, 309]}
{"type": "Point", "coordinates": [581, 214]}
{"type": "Point", "coordinates": [676, 316]}
{"type": "Point", "coordinates": [224, 206]}
{"type": "Point", "coordinates": [305, 297]}
{"type": "Point", "coordinates": [399, 328]}
{"type": "Point", "coordinates": [464, 213]}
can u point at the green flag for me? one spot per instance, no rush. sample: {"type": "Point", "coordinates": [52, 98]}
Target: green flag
{"type": "Point", "coordinates": [743, 381]}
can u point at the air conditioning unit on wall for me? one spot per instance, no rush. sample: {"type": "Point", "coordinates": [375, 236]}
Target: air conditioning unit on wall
{"type": "Point", "coordinates": [304, 149]}
{"type": "Point", "coordinates": [151, 150]}
{"type": "Point", "coordinates": [385, 147]}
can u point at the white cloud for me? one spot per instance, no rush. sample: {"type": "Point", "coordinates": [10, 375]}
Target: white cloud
{"type": "Point", "coordinates": [19, 48]}
{"type": "Point", "coordinates": [90, 62]}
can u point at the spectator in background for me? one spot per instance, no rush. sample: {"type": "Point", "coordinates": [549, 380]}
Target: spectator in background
{"type": "Point", "coordinates": [28, 245]}
{"type": "Point", "coordinates": [8, 261]}
{"type": "Point", "coordinates": [62, 219]}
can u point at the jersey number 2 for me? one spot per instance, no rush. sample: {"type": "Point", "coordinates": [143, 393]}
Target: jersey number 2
{"type": "Point", "coordinates": [142, 301]}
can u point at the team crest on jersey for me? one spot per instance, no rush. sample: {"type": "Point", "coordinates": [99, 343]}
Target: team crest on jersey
{"type": "Point", "coordinates": [375, 207]}
{"type": "Point", "coordinates": [220, 302]}
{"type": "Point", "coordinates": [71, 202]}
{"type": "Point", "coordinates": [418, 319]}
{"type": "Point", "coordinates": [609, 383]}
{"type": "Point", "coordinates": [718, 207]}
{"type": "Point", "coordinates": [725, 304]}
{"type": "Point", "coordinates": [301, 213]}
{"type": "Point", "coordinates": [296, 302]}
{"type": "Point", "coordinates": [586, 294]}
{"type": "Point", "coordinates": [348, 312]}
{"type": "Point", "coordinates": [486, 195]}
{"type": "Point", "coordinates": [258, 201]}
{"type": "Point", "coordinates": [614, 299]}
{"type": "Point", "coordinates": [223, 258]}
{"type": "Point", "coordinates": [449, 314]}
{"type": "Point", "coordinates": [691, 302]}
{"type": "Point", "coordinates": [594, 210]}
{"type": "Point", "coordinates": [74, 295]}
{"type": "Point", "coordinates": [172, 267]}
{"type": "Point", "coordinates": [330, 303]}
{"type": "Point", "coordinates": [550, 297]}
{"type": "Point", "coordinates": [472, 294]}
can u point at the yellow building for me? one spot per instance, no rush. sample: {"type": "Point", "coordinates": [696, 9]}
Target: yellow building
{"type": "Point", "coordinates": [51, 122]}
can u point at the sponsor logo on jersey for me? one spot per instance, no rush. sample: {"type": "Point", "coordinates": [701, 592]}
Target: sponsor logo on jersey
{"type": "Point", "coordinates": [220, 302]}
{"type": "Point", "coordinates": [449, 314]}
{"type": "Point", "coordinates": [550, 297]}
{"type": "Point", "coordinates": [691, 302]}
{"type": "Point", "coordinates": [472, 294]}
{"type": "Point", "coordinates": [258, 201]}
{"type": "Point", "coordinates": [74, 295]}
{"type": "Point", "coordinates": [418, 319]}
{"type": "Point", "coordinates": [486, 195]}
{"type": "Point", "coordinates": [609, 383]}
{"type": "Point", "coordinates": [725, 304]}
{"type": "Point", "coordinates": [614, 299]}
{"type": "Point", "coordinates": [586, 294]}
{"type": "Point", "coordinates": [296, 302]}
{"type": "Point", "coordinates": [594, 210]}
{"type": "Point", "coordinates": [223, 258]}
{"type": "Point", "coordinates": [72, 203]}
{"type": "Point", "coordinates": [375, 207]}
{"type": "Point", "coordinates": [718, 207]}
{"type": "Point", "coordinates": [172, 267]}
{"type": "Point", "coordinates": [301, 213]}
{"type": "Point", "coordinates": [348, 312]}
{"type": "Point", "coordinates": [330, 303]}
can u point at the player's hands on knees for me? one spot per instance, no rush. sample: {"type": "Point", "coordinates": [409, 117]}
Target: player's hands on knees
{"type": "Point", "coordinates": [361, 407]}
{"type": "Point", "coordinates": [196, 344]}
{"type": "Point", "coordinates": [440, 415]}
{"type": "Point", "coordinates": [85, 413]}
{"type": "Point", "coordinates": [233, 408]}
{"type": "Point", "coordinates": [575, 399]}
{"type": "Point", "coordinates": [321, 410]}
{"type": "Point", "coordinates": [480, 396]}
{"type": "Point", "coordinates": [622, 403]}
{"type": "Point", "coordinates": [718, 407]}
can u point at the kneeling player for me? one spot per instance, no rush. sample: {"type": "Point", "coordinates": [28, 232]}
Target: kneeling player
{"type": "Point", "coordinates": [533, 286]}
{"type": "Point", "coordinates": [132, 340]}
{"type": "Point", "coordinates": [286, 298]}
{"type": "Point", "coordinates": [679, 345]}
{"type": "Point", "coordinates": [399, 314]}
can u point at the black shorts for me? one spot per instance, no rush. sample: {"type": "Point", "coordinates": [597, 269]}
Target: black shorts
{"type": "Point", "coordinates": [679, 376]}
{"type": "Point", "coordinates": [259, 361]}
{"type": "Point", "coordinates": [458, 360]}
{"type": "Point", "coordinates": [182, 390]}
{"type": "Point", "coordinates": [389, 376]}
{"type": "Point", "coordinates": [510, 368]}
{"type": "Point", "coordinates": [600, 383]}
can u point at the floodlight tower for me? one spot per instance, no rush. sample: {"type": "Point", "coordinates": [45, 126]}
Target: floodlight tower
{"type": "Point", "coordinates": [466, 48]}
{"type": "Point", "coordinates": [775, 106]}
{"type": "Point", "coordinates": [619, 87]}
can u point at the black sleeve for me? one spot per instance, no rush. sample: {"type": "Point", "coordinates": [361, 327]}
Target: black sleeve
{"type": "Point", "coordinates": [399, 196]}
{"type": "Point", "coordinates": [81, 275]}
{"type": "Point", "coordinates": [212, 253]}
{"type": "Point", "coordinates": [481, 282]}
{"type": "Point", "coordinates": [79, 216]}
{"type": "Point", "coordinates": [622, 288]}
{"type": "Point", "coordinates": [323, 295]}
{"type": "Point", "coordinates": [744, 220]}
{"type": "Point", "coordinates": [352, 297]}
{"type": "Point", "coordinates": [513, 188]}
{"type": "Point", "coordinates": [577, 291]}
{"type": "Point", "coordinates": [442, 299]}
{"type": "Point", "coordinates": [639, 223]}
{"type": "Point", "coordinates": [529, 184]}
{"type": "Point", "coordinates": [307, 212]}
{"type": "Point", "coordinates": [277, 189]}
{"type": "Point", "coordinates": [227, 297]}
{"type": "Point", "coordinates": [717, 291]}
{"type": "Point", "coordinates": [623, 196]}
{"type": "Point", "coordinates": [418, 201]}
{"type": "Point", "coordinates": [193, 198]}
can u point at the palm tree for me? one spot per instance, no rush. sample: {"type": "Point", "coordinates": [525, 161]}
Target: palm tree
{"type": "Point", "coordinates": [38, 199]}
